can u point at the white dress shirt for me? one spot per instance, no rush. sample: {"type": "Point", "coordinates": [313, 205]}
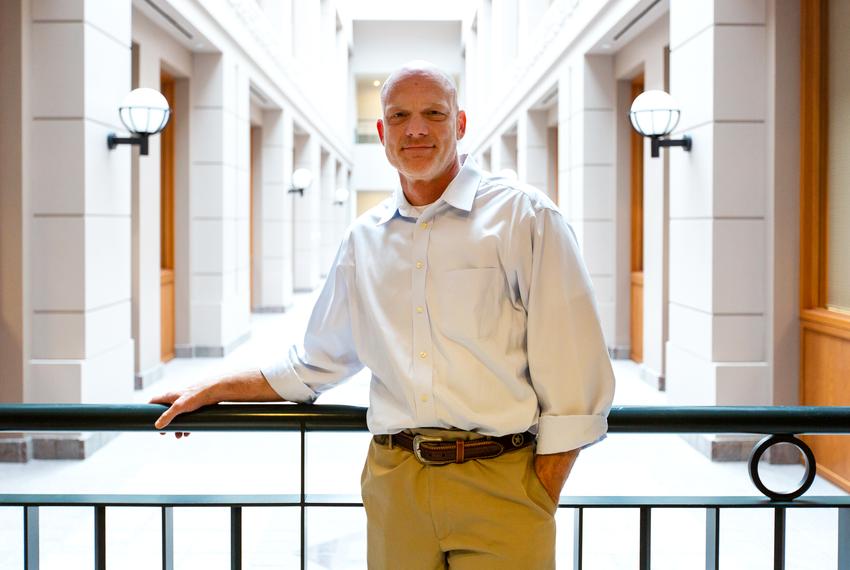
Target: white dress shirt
{"type": "Point", "coordinates": [476, 314]}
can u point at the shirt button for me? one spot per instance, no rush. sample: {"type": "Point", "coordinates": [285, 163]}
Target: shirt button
{"type": "Point", "coordinates": [419, 310]}
{"type": "Point", "coordinates": [423, 354]}
{"type": "Point", "coordinates": [418, 265]}
{"type": "Point", "coordinates": [423, 397]}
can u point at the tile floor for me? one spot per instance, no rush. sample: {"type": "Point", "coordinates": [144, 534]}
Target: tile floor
{"type": "Point", "coordinates": [141, 463]}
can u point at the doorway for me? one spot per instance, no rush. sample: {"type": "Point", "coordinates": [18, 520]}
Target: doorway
{"type": "Point", "coordinates": [636, 263]}
{"type": "Point", "coordinates": [166, 224]}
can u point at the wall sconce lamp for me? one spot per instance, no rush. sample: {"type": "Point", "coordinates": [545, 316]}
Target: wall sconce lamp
{"type": "Point", "coordinates": [655, 114]}
{"type": "Point", "coordinates": [301, 180]}
{"type": "Point", "coordinates": [144, 112]}
{"type": "Point", "coordinates": [341, 196]}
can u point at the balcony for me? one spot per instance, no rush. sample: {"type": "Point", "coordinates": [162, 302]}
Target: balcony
{"type": "Point", "coordinates": [291, 484]}
{"type": "Point", "coordinates": [586, 511]}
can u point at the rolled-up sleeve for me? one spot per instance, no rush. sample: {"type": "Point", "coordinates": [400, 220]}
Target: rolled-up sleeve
{"type": "Point", "coordinates": [327, 355]}
{"type": "Point", "coordinates": [568, 360]}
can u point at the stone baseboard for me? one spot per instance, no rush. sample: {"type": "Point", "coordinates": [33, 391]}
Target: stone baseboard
{"type": "Point", "coordinates": [652, 378]}
{"type": "Point", "coordinates": [738, 448]}
{"type": "Point", "coordinates": [15, 448]}
{"type": "Point", "coordinates": [69, 445]}
{"type": "Point", "coordinates": [272, 309]}
{"type": "Point", "coordinates": [149, 376]}
{"type": "Point", "coordinates": [618, 352]}
{"type": "Point", "coordinates": [188, 351]}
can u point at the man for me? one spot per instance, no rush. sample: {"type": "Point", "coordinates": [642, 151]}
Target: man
{"type": "Point", "coordinates": [465, 296]}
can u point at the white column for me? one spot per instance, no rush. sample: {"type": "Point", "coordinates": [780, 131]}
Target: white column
{"type": "Point", "coordinates": [588, 116]}
{"type": "Point", "coordinates": [326, 214]}
{"type": "Point", "coordinates": [306, 215]}
{"type": "Point", "coordinates": [716, 354]}
{"type": "Point", "coordinates": [220, 205]}
{"type": "Point", "coordinates": [146, 208]}
{"type": "Point", "coordinates": [504, 154]}
{"type": "Point", "coordinates": [532, 151]}
{"type": "Point", "coordinates": [273, 216]}
{"type": "Point", "coordinates": [80, 228]}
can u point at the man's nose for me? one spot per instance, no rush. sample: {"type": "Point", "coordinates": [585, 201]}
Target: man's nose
{"type": "Point", "coordinates": [417, 126]}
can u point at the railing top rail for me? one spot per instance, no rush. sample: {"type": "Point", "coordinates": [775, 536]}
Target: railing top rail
{"type": "Point", "coordinates": [288, 500]}
{"type": "Point", "coordinates": [295, 417]}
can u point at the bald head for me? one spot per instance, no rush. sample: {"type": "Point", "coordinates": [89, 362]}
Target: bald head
{"type": "Point", "coordinates": [420, 69]}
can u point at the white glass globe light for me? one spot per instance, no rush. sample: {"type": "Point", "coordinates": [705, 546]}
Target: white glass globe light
{"type": "Point", "coordinates": [509, 173]}
{"type": "Point", "coordinates": [302, 178]}
{"type": "Point", "coordinates": [654, 113]}
{"type": "Point", "coordinates": [144, 111]}
{"type": "Point", "coordinates": [341, 195]}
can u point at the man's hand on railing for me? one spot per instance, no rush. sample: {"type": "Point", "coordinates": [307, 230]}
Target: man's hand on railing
{"type": "Point", "coordinates": [248, 386]}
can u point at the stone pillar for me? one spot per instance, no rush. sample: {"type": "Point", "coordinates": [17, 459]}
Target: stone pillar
{"type": "Point", "coordinates": [79, 254]}
{"type": "Point", "coordinates": [273, 216]}
{"type": "Point", "coordinates": [504, 153]}
{"type": "Point", "coordinates": [340, 218]}
{"type": "Point", "coordinates": [146, 263]}
{"type": "Point", "coordinates": [220, 205]}
{"type": "Point", "coordinates": [532, 151]}
{"type": "Point", "coordinates": [307, 154]}
{"type": "Point", "coordinates": [587, 93]}
{"type": "Point", "coordinates": [716, 354]}
{"type": "Point", "coordinates": [327, 211]}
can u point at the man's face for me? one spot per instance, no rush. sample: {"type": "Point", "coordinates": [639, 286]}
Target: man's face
{"type": "Point", "coordinates": [421, 127]}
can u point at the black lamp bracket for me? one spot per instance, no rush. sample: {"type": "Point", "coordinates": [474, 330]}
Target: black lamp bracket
{"type": "Point", "coordinates": [114, 140]}
{"type": "Point", "coordinates": [294, 190]}
{"type": "Point", "coordinates": [658, 142]}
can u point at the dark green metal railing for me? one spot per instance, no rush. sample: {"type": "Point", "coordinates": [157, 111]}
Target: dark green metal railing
{"type": "Point", "coordinates": [294, 417]}
{"type": "Point", "coordinates": [780, 424]}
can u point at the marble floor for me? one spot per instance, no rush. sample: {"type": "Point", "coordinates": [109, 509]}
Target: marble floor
{"type": "Point", "coordinates": [243, 463]}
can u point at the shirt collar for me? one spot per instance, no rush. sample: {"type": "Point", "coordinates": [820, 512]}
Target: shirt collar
{"type": "Point", "coordinates": [460, 193]}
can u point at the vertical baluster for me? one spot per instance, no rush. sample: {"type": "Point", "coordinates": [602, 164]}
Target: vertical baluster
{"type": "Point", "coordinates": [645, 537]}
{"type": "Point", "coordinates": [844, 539]}
{"type": "Point", "coordinates": [302, 501]}
{"type": "Point", "coordinates": [167, 538]}
{"type": "Point", "coordinates": [779, 539]}
{"type": "Point", "coordinates": [712, 538]}
{"type": "Point", "coordinates": [31, 538]}
{"type": "Point", "coordinates": [100, 537]}
{"type": "Point", "coordinates": [578, 538]}
{"type": "Point", "coordinates": [235, 538]}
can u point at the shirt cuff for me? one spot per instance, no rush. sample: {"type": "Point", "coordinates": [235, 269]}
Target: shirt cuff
{"type": "Point", "coordinates": [556, 434]}
{"type": "Point", "coordinates": [285, 381]}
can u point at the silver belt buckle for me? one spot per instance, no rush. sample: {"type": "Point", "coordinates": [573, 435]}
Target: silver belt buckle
{"type": "Point", "coordinates": [417, 450]}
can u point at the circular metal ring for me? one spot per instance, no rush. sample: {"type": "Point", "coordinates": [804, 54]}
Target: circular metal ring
{"type": "Point", "coordinates": [808, 461]}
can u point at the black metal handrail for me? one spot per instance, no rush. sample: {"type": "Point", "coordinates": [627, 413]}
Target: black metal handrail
{"type": "Point", "coordinates": [780, 424]}
{"type": "Point", "coordinates": [294, 417]}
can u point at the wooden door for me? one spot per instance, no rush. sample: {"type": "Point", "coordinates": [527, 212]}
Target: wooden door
{"type": "Point", "coordinates": [636, 287]}
{"type": "Point", "coordinates": [167, 226]}
{"type": "Point", "coordinates": [824, 316]}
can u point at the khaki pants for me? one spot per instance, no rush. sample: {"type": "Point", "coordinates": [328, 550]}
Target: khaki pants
{"type": "Point", "coordinates": [482, 514]}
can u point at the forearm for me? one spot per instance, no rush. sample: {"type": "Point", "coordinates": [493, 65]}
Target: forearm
{"type": "Point", "coordinates": [247, 386]}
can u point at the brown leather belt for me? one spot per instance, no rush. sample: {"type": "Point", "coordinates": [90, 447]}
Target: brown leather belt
{"type": "Point", "coordinates": [437, 451]}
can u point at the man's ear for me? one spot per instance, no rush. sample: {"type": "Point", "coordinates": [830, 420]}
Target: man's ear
{"type": "Point", "coordinates": [461, 124]}
{"type": "Point", "coordinates": [380, 125]}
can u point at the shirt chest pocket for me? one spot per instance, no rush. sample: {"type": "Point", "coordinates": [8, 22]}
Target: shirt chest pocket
{"type": "Point", "coordinates": [465, 303]}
